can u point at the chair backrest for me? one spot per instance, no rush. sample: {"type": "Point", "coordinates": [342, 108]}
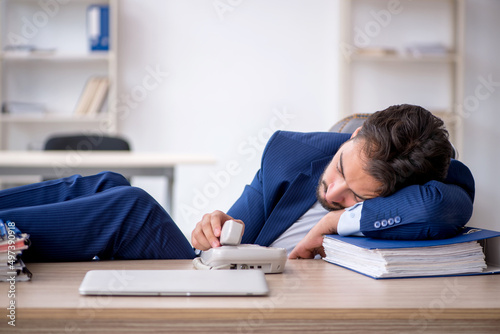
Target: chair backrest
{"type": "Point", "coordinates": [349, 124]}
{"type": "Point", "coordinates": [86, 143]}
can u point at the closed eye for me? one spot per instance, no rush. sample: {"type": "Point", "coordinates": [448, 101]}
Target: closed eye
{"type": "Point", "coordinates": [340, 169]}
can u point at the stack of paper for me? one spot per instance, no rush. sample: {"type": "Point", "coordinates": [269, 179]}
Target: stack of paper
{"type": "Point", "coordinates": [377, 258]}
{"type": "Point", "coordinates": [428, 49]}
{"type": "Point", "coordinates": [12, 244]}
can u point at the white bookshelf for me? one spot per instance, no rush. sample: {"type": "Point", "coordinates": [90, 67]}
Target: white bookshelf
{"type": "Point", "coordinates": [378, 69]}
{"type": "Point", "coordinates": [56, 74]}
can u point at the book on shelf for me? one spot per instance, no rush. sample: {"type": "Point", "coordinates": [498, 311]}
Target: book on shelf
{"type": "Point", "coordinates": [376, 51]}
{"type": "Point", "coordinates": [93, 96]}
{"type": "Point", "coordinates": [12, 244]}
{"type": "Point", "coordinates": [378, 258]}
{"type": "Point", "coordinates": [99, 97]}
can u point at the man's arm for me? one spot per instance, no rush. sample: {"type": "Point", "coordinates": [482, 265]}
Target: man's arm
{"type": "Point", "coordinates": [431, 211]}
{"type": "Point", "coordinates": [250, 209]}
{"type": "Point", "coordinates": [435, 210]}
{"type": "Point", "coordinates": [312, 244]}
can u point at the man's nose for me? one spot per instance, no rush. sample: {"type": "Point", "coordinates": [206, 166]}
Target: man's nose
{"type": "Point", "coordinates": [336, 192]}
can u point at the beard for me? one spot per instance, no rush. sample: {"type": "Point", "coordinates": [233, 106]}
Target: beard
{"type": "Point", "coordinates": [330, 206]}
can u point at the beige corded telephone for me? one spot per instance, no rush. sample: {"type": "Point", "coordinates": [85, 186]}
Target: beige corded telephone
{"type": "Point", "coordinates": [233, 255]}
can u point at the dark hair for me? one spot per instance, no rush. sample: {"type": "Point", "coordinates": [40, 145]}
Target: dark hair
{"type": "Point", "coordinates": [404, 145]}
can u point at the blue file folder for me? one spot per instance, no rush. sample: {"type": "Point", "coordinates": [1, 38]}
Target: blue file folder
{"type": "Point", "coordinates": [468, 234]}
{"type": "Point", "coordinates": [98, 27]}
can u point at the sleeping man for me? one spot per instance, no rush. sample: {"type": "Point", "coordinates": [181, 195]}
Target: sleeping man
{"type": "Point", "coordinates": [393, 178]}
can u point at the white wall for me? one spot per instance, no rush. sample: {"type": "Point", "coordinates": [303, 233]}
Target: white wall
{"type": "Point", "coordinates": [229, 74]}
{"type": "Point", "coordinates": [481, 113]}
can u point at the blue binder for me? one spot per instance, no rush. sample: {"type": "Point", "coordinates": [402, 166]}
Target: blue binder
{"type": "Point", "coordinates": [98, 27]}
{"type": "Point", "coordinates": [468, 234]}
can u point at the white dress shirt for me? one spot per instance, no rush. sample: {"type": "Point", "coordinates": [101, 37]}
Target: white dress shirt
{"type": "Point", "coordinates": [349, 224]}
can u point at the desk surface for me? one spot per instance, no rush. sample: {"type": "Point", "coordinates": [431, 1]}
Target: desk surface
{"type": "Point", "coordinates": [56, 164]}
{"type": "Point", "coordinates": [310, 293]}
{"type": "Point", "coordinates": [98, 158]}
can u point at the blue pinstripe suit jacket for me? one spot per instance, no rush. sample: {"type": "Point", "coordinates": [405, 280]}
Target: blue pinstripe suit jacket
{"type": "Point", "coordinates": [285, 188]}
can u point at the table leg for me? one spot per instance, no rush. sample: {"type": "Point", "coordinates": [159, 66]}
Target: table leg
{"type": "Point", "coordinates": [169, 173]}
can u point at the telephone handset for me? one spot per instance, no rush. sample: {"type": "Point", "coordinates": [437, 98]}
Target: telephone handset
{"type": "Point", "coordinates": [233, 255]}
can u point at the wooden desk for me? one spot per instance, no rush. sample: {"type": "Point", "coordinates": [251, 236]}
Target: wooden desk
{"type": "Point", "coordinates": [312, 296]}
{"type": "Point", "coordinates": [56, 164]}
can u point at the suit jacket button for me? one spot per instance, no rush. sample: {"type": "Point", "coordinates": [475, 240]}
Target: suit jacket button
{"type": "Point", "coordinates": [397, 219]}
{"type": "Point", "coordinates": [376, 224]}
{"type": "Point", "coordinates": [383, 223]}
{"type": "Point", "coordinates": [390, 221]}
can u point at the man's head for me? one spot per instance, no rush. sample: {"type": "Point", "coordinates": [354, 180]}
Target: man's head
{"type": "Point", "coordinates": [396, 147]}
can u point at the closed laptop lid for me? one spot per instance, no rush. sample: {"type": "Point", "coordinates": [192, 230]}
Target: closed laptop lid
{"type": "Point", "coordinates": [175, 283]}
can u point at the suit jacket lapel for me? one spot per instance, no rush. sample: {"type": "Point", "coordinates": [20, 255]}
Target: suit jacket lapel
{"type": "Point", "coordinates": [299, 197]}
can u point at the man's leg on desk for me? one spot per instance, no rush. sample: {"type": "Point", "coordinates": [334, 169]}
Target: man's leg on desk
{"type": "Point", "coordinates": [77, 218]}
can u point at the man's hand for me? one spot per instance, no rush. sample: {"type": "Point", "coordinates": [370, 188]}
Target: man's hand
{"type": "Point", "coordinates": [312, 243]}
{"type": "Point", "coordinates": [206, 234]}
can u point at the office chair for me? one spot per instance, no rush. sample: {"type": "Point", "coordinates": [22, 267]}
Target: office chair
{"type": "Point", "coordinates": [349, 124]}
{"type": "Point", "coordinates": [86, 143]}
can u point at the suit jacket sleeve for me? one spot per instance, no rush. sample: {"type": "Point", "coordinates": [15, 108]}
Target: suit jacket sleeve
{"type": "Point", "coordinates": [250, 209]}
{"type": "Point", "coordinates": [287, 156]}
{"type": "Point", "coordinates": [250, 206]}
{"type": "Point", "coordinates": [434, 210]}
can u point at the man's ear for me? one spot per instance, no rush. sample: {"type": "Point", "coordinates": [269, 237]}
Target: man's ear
{"type": "Point", "coordinates": [355, 133]}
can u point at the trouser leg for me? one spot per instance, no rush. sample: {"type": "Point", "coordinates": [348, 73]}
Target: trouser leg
{"type": "Point", "coordinates": [120, 222]}
{"type": "Point", "coordinates": [60, 190]}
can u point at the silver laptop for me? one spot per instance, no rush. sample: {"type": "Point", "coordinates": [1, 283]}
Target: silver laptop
{"type": "Point", "coordinates": [175, 283]}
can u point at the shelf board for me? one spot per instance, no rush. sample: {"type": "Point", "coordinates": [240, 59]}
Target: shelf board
{"type": "Point", "coordinates": [51, 118]}
{"type": "Point", "coordinates": [98, 56]}
{"type": "Point", "coordinates": [66, 2]}
{"type": "Point", "coordinates": [445, 58]}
